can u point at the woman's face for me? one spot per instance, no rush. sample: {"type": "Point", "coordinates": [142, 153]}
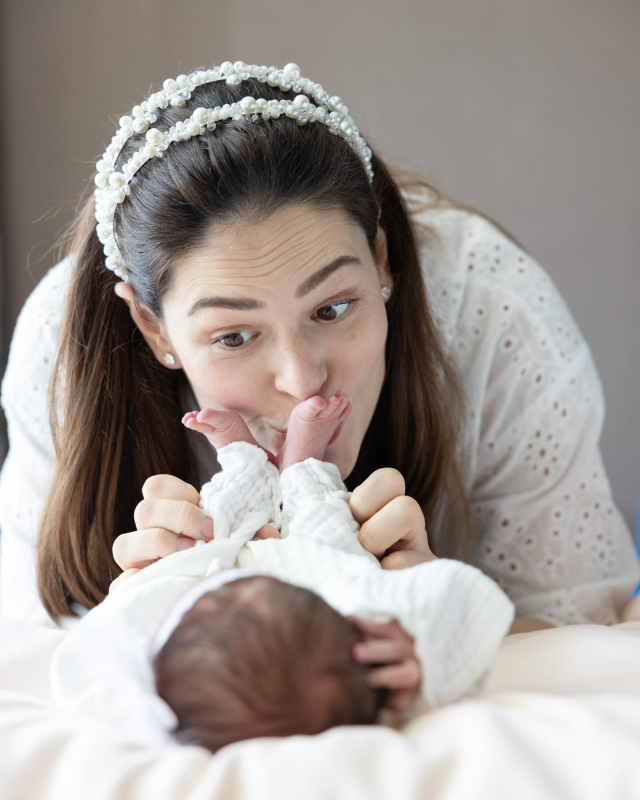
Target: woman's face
{"type": "Point", "coordinates": [263, 317]}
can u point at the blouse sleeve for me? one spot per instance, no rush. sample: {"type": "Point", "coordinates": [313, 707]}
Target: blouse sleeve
{"type": "Point", "coordinates": [27, 469]}
{"type": "Point", "coordinates": [549, 531]}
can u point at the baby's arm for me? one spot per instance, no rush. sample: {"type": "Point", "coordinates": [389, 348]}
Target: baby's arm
{"type": "Point", "coordinates": [456, 615]}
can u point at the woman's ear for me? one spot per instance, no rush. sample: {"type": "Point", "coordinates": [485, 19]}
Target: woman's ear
{"type": "Point", "coordinates": [147, 323]}
{"type": "Point", "coordinates": [382, 258]}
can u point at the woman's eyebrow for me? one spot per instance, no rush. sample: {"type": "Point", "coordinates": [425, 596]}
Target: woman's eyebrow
{"type": "Point", "coordinates": [249, 304]}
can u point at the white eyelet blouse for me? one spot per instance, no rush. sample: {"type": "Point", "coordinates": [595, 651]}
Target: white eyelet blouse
{"type": "Point", "coordinates": [549, 532]}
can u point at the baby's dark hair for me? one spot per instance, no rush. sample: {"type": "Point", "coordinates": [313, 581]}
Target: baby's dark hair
{"type": "Point", "coordinates": [260, 657]}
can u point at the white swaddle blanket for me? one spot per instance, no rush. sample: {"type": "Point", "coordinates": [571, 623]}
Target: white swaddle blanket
{"type": "Point", "coordinates": [456, 614]}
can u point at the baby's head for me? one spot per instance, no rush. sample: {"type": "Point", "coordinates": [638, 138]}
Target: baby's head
{"type": "Point", "coordinates": [259, 657]}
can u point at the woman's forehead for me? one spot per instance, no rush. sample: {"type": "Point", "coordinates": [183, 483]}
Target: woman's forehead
{"type": "Point", "coordinates": [283, 248]}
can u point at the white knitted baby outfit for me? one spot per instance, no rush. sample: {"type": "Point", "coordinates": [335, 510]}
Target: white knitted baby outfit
{"type": "Point", "coordinates": [456, 614]}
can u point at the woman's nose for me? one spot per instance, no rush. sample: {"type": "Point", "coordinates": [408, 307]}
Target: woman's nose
{"type": "Point", "coordinates": [299, 372]}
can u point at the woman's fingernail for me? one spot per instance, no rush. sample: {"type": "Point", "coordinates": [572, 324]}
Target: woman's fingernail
{"type": "Point", "coordinates": [184, 543]}
{"type": "Point", "coordinates": [207, 528]}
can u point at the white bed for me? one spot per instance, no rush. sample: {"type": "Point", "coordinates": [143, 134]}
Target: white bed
{"type": "Point", "coordinates": [559, 717]}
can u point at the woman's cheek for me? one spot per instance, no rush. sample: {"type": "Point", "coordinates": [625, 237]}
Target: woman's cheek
{"type": "Point", "coordinates": [361, 374]}
{"type": "Point", "coordinates": [235, 391]}
{"type": "Point", "coordinates": [365, 344]}
{"type": "Point", "coordinates": [217, 383]}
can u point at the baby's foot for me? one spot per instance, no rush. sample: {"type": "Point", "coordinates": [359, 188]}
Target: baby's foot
{"type": "Point", "coordinates": [311, 425]}
{"type": "Point", "coordinates": [220, 427]}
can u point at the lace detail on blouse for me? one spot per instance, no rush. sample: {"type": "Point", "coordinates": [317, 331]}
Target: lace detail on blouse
{"type": "Point", "coordinates": [549, 532]}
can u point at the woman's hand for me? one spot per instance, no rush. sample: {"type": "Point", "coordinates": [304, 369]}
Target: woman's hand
{"type": "Point", "coordinates": [390, 645]}
{"type": "Point", "coordinates": [392, 524]}
{"type": "Point", "coordinates": [168, 519]}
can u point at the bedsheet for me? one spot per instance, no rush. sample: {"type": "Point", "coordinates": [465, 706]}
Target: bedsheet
{"type": "Point", "coordinates": [559, 717]}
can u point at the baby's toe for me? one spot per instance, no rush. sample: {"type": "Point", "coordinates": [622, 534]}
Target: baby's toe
{"type": "Point", "coordinates": [311, 409]}
{"type": "Point", "coordinates": [335, 406]}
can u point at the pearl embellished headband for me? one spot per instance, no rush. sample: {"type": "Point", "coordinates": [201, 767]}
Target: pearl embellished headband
{"type": "Point", "coordinates": [113, 187]}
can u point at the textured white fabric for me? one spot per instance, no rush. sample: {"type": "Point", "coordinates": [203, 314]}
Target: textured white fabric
{"type": "Point", "coordinates": [550, 532]}
{"type": "Point", "coordinates": [457, 616]}
{"type": "Point", "coordinates": [559, 719]}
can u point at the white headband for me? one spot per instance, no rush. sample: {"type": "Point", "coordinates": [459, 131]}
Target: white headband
{"type": "Point", "coordinates": [113, 187]}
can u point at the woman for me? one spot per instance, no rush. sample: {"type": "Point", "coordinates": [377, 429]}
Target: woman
{"type": "Point", "coordinates": [258, 261]}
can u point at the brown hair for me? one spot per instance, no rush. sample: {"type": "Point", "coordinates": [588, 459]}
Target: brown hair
{"type": "Point", "coordinates": [240, 666]}
{"type": "Point", "coordinates": [120, 406]}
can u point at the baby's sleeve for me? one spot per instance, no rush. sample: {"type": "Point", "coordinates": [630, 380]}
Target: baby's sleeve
{"type": "Point", "coordinates": [456, 615]}
{"type": "Point", "coordinates": [245, 492]}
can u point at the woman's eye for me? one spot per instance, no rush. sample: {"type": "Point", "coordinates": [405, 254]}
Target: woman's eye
{"type": "Point", "coordinates": [331, 312]}
{"type": "Point", "coordinates": [235, 340]}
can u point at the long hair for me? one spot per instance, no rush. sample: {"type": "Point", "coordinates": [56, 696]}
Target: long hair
{"type": "Point", "coordinates": [114, 410]}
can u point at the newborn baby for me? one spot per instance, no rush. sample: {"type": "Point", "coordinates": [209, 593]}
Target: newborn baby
{"type": "Point", "coordinates": [243, 636]}
{"type": "Point", "coordinates": [264, 657]}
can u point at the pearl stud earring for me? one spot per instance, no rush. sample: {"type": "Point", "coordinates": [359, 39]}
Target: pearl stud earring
{"type": "Point", "coordinates": [386, 293]}
{"type": "Point", "coordinates": [169, 360]}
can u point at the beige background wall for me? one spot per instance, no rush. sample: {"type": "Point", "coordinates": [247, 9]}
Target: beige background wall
{"type": "Point", "coordinates": [527, 109]}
